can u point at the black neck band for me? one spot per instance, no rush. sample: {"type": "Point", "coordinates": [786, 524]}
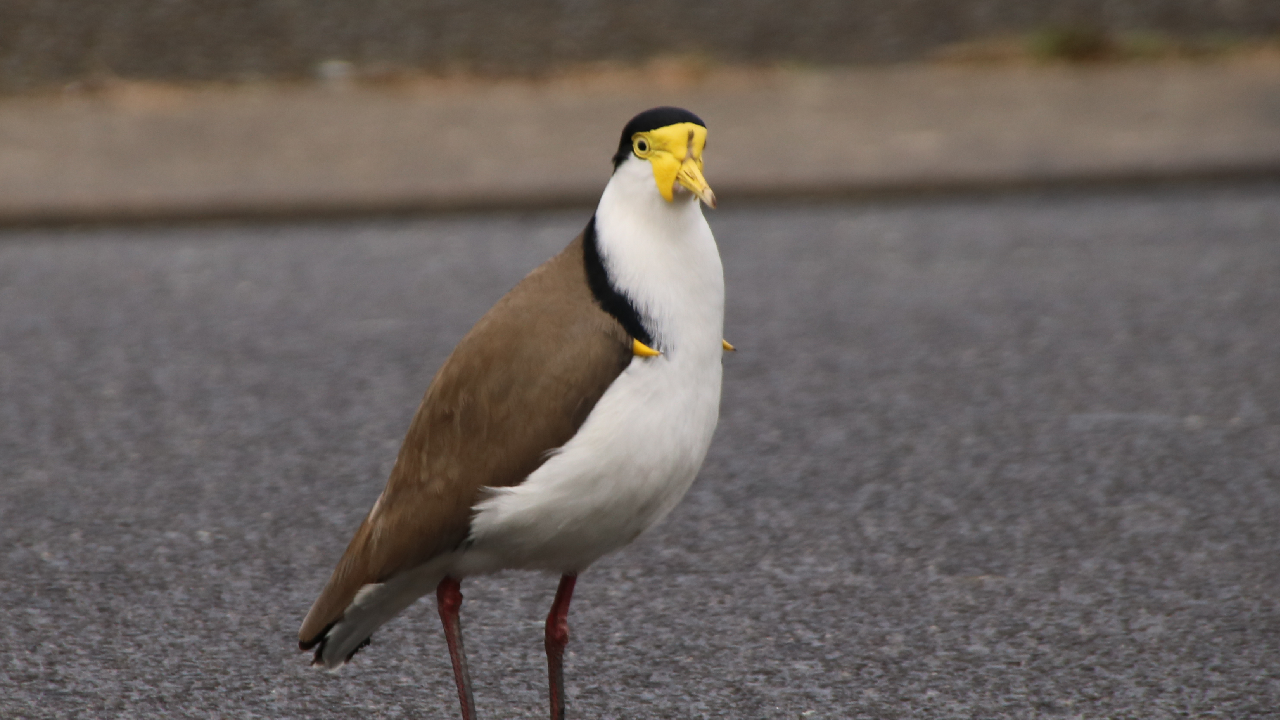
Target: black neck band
{"type": "Point", "coordinates": [613, 302]}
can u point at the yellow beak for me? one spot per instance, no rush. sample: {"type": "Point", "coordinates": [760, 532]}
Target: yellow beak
{"type": "Point", "coordinates": [690, 176]}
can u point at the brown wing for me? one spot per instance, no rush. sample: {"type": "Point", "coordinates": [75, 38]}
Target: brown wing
{"type": "Point", "coordinates": [519, 384]}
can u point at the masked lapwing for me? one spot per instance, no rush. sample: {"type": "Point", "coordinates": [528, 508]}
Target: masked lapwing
{"type": "Point", "coordinates": [572, 417]}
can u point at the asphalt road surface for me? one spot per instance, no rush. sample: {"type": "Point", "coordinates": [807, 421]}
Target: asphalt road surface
{"type": "Point", "coordinates": [979, 457]}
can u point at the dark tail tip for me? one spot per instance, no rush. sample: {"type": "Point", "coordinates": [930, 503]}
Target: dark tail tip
{"type": "Point", "coordinates": [363, 644]}
{"type": "Point", "coordinates": [319, 641]}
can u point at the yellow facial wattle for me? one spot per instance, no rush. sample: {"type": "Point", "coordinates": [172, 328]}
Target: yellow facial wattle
{"type": "Point", "coordinates": [675, 152]}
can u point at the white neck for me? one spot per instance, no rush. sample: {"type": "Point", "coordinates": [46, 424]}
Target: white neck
{"type": "Point", "coordinates": [662, 256]}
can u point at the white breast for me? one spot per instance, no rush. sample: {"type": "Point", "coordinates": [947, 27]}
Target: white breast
{"type": "Point", "coordinates": [641, 446]}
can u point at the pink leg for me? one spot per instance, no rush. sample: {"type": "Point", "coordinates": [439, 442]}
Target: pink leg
{"type": "Point", "coordinates": [557, 638]}
{"type": "Point", "coordinates": [449, 600]}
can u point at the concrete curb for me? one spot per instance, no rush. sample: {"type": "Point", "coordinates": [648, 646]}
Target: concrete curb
{"type": "Point", "coordinates": [139, 153]}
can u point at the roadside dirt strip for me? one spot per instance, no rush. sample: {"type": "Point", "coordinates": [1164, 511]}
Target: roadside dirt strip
{"type": "Point", "coordinates": [133, 151]}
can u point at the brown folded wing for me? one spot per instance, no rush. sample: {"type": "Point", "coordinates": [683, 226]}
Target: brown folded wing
{"type": "Point", "coordinates": [519, 384]}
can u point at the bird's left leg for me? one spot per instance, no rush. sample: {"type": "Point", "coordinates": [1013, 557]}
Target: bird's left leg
{"type": "Point", "coordinates": [557, 638]}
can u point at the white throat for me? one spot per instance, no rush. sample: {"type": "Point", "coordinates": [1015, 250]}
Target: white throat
{"type": "Point", "coordinates": [662, 256]}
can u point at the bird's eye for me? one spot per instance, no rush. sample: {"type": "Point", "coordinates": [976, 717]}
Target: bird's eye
{"type": "Point", "coordinates": [641, 146]}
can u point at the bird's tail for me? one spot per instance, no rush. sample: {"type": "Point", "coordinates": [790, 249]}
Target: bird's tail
{"type": "Point", "coordinates": [373, 605]}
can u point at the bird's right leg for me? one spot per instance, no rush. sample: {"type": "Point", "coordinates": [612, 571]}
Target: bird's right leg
{"type": "Point", "coordinates": [557, 638]}
{"type": "Point", "coordinates": [449, 601]}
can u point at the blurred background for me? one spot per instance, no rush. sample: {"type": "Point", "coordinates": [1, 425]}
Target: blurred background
{"type": "Point", "coordinates": [151, 108]}
{"type": "Point", "coordinates": [54, 42]}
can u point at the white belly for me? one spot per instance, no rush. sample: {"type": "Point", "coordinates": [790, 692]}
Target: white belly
{"type": "Point", "coordinates": [626, 468]}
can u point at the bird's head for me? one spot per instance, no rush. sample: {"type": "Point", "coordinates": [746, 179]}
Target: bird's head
{"type": "Point", "coordinates": [671, 140]}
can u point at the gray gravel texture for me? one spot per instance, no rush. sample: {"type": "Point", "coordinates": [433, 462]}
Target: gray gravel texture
{"type": "Point", "coordinates": [44, 42]}
{"type": "Point", "coordinates": [980, 457]}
